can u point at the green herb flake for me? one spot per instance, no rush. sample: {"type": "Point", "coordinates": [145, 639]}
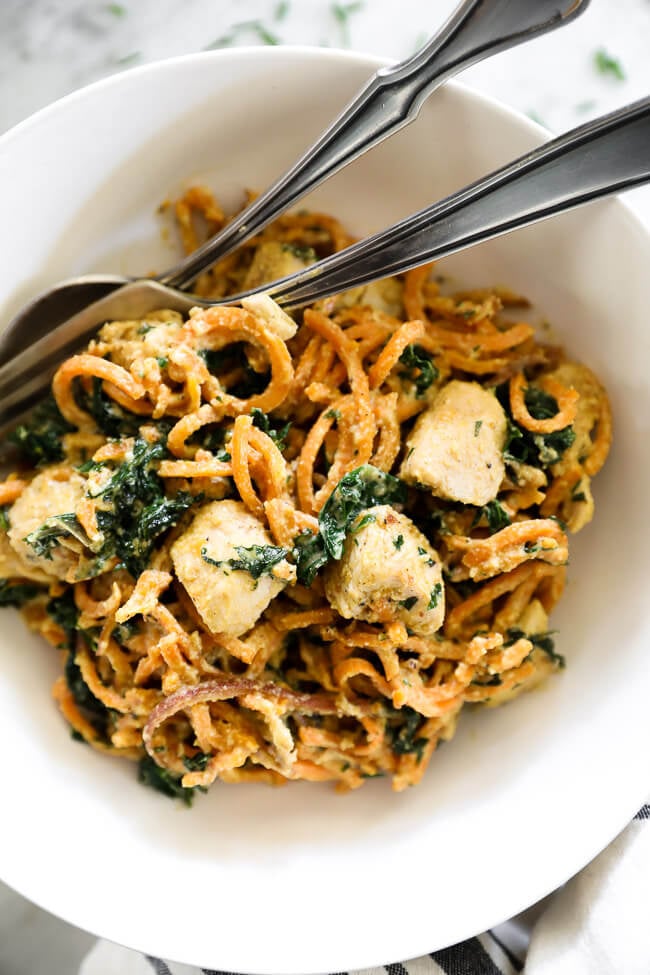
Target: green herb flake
{"type": "Point", "coordinates": [477, 427]}
{"type": "Point", "coordinates": [342, 12]}
{"type": "Point", "coordinates": [409, 602]}
{"type": "Point", "coordinates": [4, 518]}
{"type": "Point", "coordinates": [257, 560]}
{"type": "Point", "coordinates": [605, 64]}
{"type": "Point", "coordinates": [361, 524]}
{"type": "Point", "coordinates": [434, 598]}
{"type": "Point", "coordinates": [398, 542]}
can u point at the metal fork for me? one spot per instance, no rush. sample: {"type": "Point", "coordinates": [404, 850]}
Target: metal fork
{"type": "Point", "coordinates": [602, 157]}
{"type": "Point", "coordinates": [390, 100]}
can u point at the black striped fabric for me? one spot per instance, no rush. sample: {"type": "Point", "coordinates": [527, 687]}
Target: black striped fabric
{"type": "Point", "coordinates": [467, 958]}
{"type": "Point", "coordinates": [644, 812]}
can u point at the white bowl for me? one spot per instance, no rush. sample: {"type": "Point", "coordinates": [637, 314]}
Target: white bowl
{"type": "Point", "coordinates": [301, 880]}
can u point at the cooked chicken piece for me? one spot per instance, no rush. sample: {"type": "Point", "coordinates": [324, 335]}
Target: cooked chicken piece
{"type": "Point", "coordinates": [384, 296]}
{"type": "Point", "coordinates": [388, 571]}
{"type": "Point", "coordinates": [274, 260]}
{"type": "Point", "coordinates": [276, 320]}
{"type": "Point", "coordinates": [229, 599]}
{"type": "Point", "coordinates": [55, 491]}
{"type": "Point", "coordinates": [456, 446]}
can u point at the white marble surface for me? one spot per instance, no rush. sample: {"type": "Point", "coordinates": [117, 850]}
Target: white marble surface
{"type": "Point", "coordinates": [50, 47]}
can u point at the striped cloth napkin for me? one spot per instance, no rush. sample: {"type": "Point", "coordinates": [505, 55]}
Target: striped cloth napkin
{"type": "Point", "coordinates": [597, 924]}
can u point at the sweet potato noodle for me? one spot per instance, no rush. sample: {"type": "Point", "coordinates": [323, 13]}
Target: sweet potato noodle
{"type": "Point", "coordinates": [274, 548]}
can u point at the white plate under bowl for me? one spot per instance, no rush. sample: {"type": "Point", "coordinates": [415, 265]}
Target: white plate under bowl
{"type": "Point", "coordinates": [301, 880]}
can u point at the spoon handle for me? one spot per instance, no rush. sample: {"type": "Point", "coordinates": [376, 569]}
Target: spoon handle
{"type": "Point", "coordinates": [388, 102]}
{"type": "Point", "coordinates": [602, 157]}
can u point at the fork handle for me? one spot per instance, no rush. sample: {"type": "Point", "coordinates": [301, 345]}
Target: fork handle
{"type": "Point", "coordinates": [389, 101]}
{"type": "Point", "coordinates": [602, 157]}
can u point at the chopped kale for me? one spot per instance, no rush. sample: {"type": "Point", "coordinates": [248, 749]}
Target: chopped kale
{"type": "Point", "coordinates": [92, 709]}
{"type": "Point", "coordinates": [523, 446]}
{"type": "Point", "coordinates": [542, 641]}
{"type": "Point", "coordinates": [403, 739]}
{"type": "Point", "coordinates": [4, 518]}
{"type": "Point", "coordinates": [40, 438]}
{"type": "Point", "coordinates": [163, 781]}
{"type": "Point", "coordinates": [261, 421]}
{"type": "Point", "coordinates": [44, 538]}
{"type": "Point", "coordinates": [19, 593]}
{"type": "Point", "coordinates": [233, 357]}
{"type": "Point", "coordinates": [360, 489]}
{"type": "Point", "coordinates": [421, 369]}
{"type": "Point", "coordinates": [196, 763]}
{"type": "Point", "coordinates": [257, 560]}
{"type": "Point", "coordinates": [63, 611]}
{"type": "Point", "coordinates": [409, 602]}
{"type": "Point", "coordinates": [361, 524]}
{"type": "Point", "coordinates": [138, 511]}
{"type": "Point", "coordinates": [112, 419]}
{"type": "Point", "coordinates": [495, 515]}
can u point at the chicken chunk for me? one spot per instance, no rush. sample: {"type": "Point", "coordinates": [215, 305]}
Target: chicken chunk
{"type": "Point", "coordinates": [274, 260]}
{"type": "Point", "coordinates": [388, 571]}
{"type": "Point", "coordinates": [13, 567]}
{"type": "Point", "coordinates": [54, 492]}
{"type": "Point", "coordinates": [207, 559]}
{"type": "Point", "coordinates": [456, 446]}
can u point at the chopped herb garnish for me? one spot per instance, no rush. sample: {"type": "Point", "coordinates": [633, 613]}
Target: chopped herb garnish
{"type": "Point", "coordinates": [257, 560]}
{"type": "Point", "coordinates": [436, 593]}
{"type": "Point", "coordinates": [409, 602]}
{"type": "Point", "coordinates": [342, 13]}
{"type": "Point", "coordinates": [4, 518]}
{"type": "Point", "coordinates": [607, 65]}
{"type": "Point", "coordinates": [421, 369]}
{"type": "Point", "coordinates": [333, 414]}
{"type": "Point", "coordinates": [255, 27]}
{"type": "Point", "coordinates": [477, 427]}
{"type": "Point", "coordinates": [398, 542]}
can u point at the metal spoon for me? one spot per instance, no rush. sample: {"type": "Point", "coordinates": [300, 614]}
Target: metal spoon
{"type": "Point", "coordinates": [389, 101]}
{"type": "Point", "coordinates": [600, 158]}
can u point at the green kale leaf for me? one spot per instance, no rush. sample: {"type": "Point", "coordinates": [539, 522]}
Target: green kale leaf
{"type": "Point", "coordinates": [40, 437]}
